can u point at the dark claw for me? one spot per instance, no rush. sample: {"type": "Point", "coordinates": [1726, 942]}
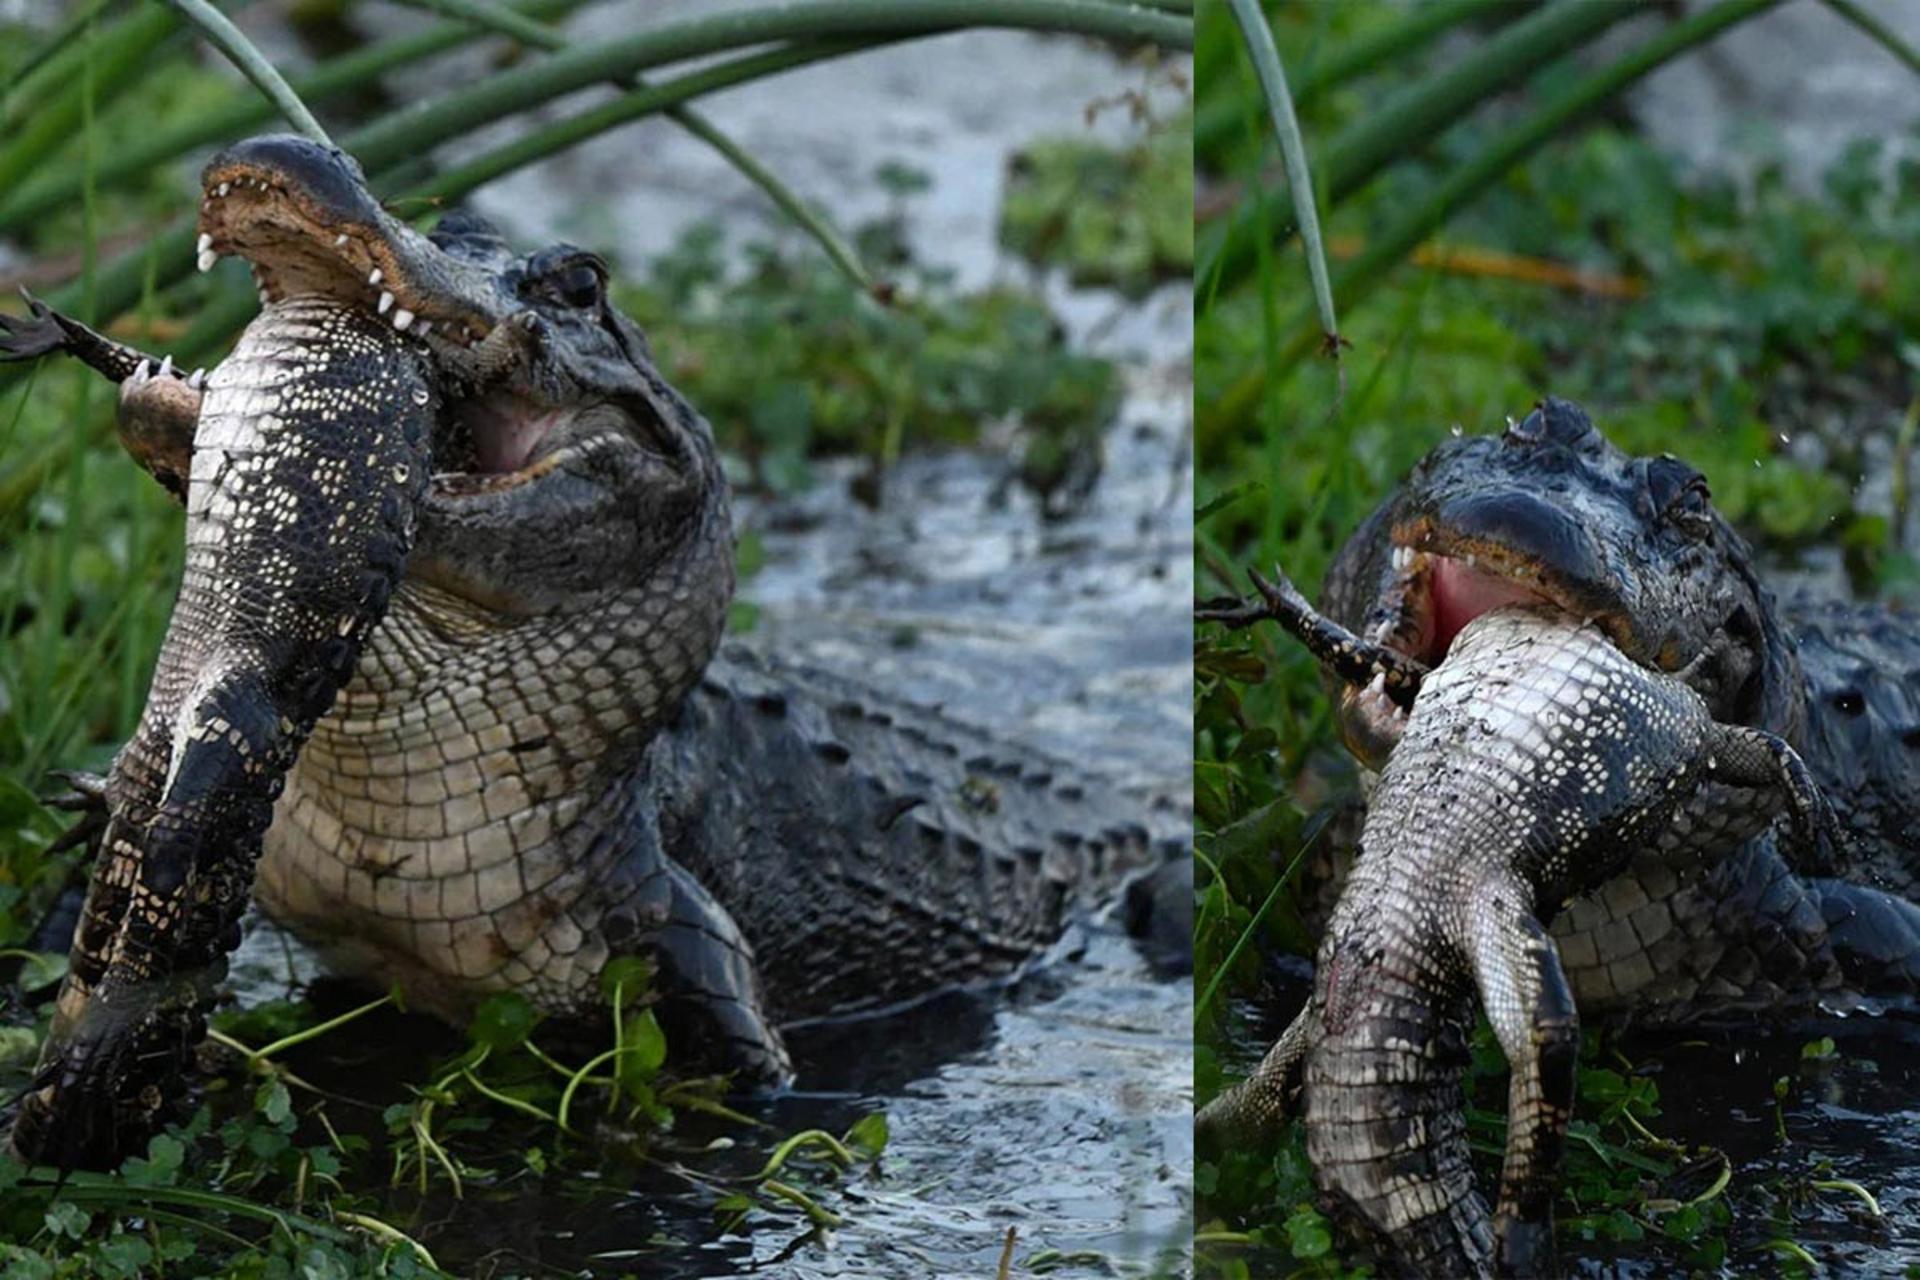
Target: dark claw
{"type": "Point", "coordinates": [89, 790]}
{"type": "Point", "coordinates": [38, 333]}
{"type": "Point", "coordinates": [88, 798]}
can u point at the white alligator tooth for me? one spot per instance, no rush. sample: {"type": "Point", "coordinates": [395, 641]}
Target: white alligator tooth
{"type": "Point", "coordinates": [402, 318]}
{"type": "Point", "coordinates": [144, 372]}
{"type": "Point", "coordinates": [206, 260]}
{"type": "Point", "coordinates": [205, 243]}
{"type": "Point", "coordinates": [198, 380]}
{"type": "Point", "coordinates": [386, 302]}
{"type": "Point", "coordinates": [374, 276]}
{"type": "Point", "coordinates": [224, 188]}
{"type": "Point", "coordinates": [340, 239]}
{"type": "Point", "coordinates": [424, 328]}
{"type": "Point", "coordinates": [264, 299]}
{"type": "Point", "coordinates": [166, 366]}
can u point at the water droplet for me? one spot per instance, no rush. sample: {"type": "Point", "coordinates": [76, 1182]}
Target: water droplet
{"type": "Point", "coordinates": [1457, 430]}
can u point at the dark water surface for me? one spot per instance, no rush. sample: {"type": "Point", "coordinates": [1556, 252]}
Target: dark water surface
{"type": "Point", "coordinates": [1853, 1116]}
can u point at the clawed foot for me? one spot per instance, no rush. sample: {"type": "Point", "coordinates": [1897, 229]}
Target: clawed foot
{"type": "Point", "coordinates": [1360, 663]}
{"type": "Point", "coordinates": [40, 332]}
{"type": "Point", "coordinates": [87, 796]}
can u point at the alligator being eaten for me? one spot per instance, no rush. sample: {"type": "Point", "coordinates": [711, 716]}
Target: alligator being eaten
{"type": "Point", "coordinates": [1535, 759]}
{"type": "Point", "coordinates": [1717, 915]}
{"type": "Point", "coordinates": [542, 759]}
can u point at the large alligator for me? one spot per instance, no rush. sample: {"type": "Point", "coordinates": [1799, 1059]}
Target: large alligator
{"type": "Point", "coordinates": [542, 760]}
{"type": "Point", "coordinates": [1716, 914]}
{"type": "Point", "coordinates": [1535, 759]}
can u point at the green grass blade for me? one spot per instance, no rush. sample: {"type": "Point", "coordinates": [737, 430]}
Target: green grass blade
{"type": "Point", "coordinates": [246, 112]}
{"type": "Point", "coordinates": [1879, 31]}
{"type": "Point", "coordinates": [1422, 25]}
{"type": "Point", "coordinates": [533, 147]}
{"type": "Point", "coordinates": [1293, 150]}
{"type": "Point", "coordinates": [838, 250]}
{"type": "Point", "coordinates": [118, 56]}
{"type": "Point", "coordinates": [1479, 174]}
{"type": "Point", "coordinates": [408, 131]}
{"type": "Point", "coordinates": [1407, 122]}
{"type": "Point", "coordinates": [223, 35]}
{"type": "Point", "coordinates": [58, 43]}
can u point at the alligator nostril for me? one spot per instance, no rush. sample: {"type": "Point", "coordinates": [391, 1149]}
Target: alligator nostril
{"type": "Point", "coordinates": [1911, 738]}
{"type": "Point", "coordinates": [1848, 702]}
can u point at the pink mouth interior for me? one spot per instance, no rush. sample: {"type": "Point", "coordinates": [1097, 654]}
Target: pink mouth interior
{"type": "Point", "coordinates": [507, 430]}
{"type": "Point", "coordinates": [1462, 593]}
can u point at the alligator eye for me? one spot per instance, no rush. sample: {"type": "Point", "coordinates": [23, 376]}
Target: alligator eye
{"type": "Point", "coordinates": [578, 286]}
{"type": "Point", "coordinates": [1680, 495]}
{"type": "Point", "coordinates": [1691, 511]}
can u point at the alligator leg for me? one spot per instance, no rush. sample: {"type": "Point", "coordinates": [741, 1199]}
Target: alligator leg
{"type": "Point", "coordinates": [714, 1008]}
{"type": "Point", "coordinates": [708, 970]}
{"type": "Point", "coordinates": [1358, 662]}
{"type": "Point", "coordinates": [1251, 1112]}
{"type": "Point", "coordinates": [1755, 758]}
{"type": "Point", "coordinates": [1531, 1008]}
{"type": "Point", "coordinates": [159, 405]}
{"type": "Point", "coordinates": [1874, 935]}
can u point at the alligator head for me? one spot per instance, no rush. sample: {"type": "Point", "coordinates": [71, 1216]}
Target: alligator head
{"type": "Point", "coordinates": [302, 216]}
{"type": "Point", "coordinates": [1551, 512]}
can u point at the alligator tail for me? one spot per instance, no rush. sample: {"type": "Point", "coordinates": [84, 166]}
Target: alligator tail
{"type": "Point", "coordinates": [922, 852]}
{"type": "Point", "coordinates": [1386, 1129]}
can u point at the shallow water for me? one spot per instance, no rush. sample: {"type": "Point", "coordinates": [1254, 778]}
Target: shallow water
{"type": "Point", "coordinates": [1854, 1116]}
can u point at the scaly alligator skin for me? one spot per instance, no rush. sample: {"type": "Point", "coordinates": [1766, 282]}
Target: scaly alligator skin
{"type": "Point", "coordinates": [1719, 918]}
{"type": "Point", "coordinates": [310, 457]}
{"type": "Point", "coordinates": [539, 763]}
{"type": "Point", "coordinates": [1536, 759]}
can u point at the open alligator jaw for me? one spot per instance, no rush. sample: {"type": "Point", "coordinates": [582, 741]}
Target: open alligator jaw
{"type": "Point", "coordinates": [302, 217]}
{"type": "Point", "coordinates": [1439, 583]}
